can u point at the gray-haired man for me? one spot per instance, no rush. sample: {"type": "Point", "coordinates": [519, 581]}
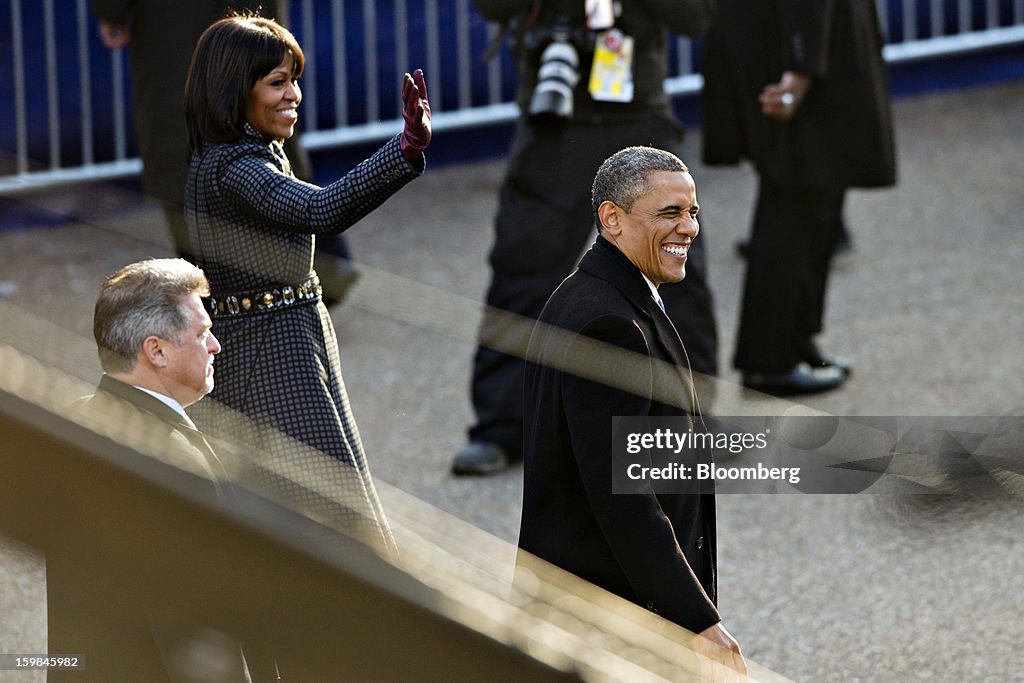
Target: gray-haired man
{"type": "Point", "coordinates": [604, 347]}
{"type": "Point", "coordinates": [156, 349]}
{"type": "Point", "coordinates": [155, 345]}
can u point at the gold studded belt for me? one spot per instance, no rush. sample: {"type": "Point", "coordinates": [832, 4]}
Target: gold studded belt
{"type": "Point", "coordinates": [260, 301]}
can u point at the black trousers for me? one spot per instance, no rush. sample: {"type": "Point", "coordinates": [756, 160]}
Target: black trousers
{"type": "Point", "coordinates": [543, 221]}
{"type": "Point", "coordinates": [794, 232]}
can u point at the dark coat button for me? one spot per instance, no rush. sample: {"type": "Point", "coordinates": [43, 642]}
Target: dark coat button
{"type": "Point", "coordinates": [700, 543]}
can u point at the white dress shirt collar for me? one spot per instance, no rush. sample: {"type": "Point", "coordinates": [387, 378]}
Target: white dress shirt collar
{"type": "Point", "coordinates": [169, 402]}
{"type": "Point", "coordinates": [654, 292]}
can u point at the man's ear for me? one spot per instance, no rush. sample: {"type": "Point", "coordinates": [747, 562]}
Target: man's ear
{"type": "Point", "coordinates": [610, 215]}
{"type": "Point", "coordinates": [153, 350]}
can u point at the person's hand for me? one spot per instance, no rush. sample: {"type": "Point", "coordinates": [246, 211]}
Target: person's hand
{"type": "Point", "coordinates": [779, 101]}
{"type": "Point", "coordinates": [416, 112]}
{"type": "Point", "coordinates": [720, 647]}
{"type": "Point", "coordinates": [115, 36]}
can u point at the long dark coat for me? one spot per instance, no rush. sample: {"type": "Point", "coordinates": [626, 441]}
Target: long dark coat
{"type": "Point", "coordinates": [252, 225]}
{"type": "Point", "coordinates": [658, 551]}
{"type": "Point", "coordinates": [841, 135]}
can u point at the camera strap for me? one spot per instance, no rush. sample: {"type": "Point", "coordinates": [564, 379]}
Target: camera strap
{"type": "Point", "coordinates": [494, 46]}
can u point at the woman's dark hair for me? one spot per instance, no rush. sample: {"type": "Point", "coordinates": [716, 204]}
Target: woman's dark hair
{"type": "Point", "coordinates": [231, 55]}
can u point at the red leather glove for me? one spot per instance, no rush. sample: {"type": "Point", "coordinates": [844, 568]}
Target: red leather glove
{"type": "Point", "coordinates": [416, 112]}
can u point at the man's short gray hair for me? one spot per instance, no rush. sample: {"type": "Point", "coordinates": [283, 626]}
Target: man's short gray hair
{"type": "Point", "coordinates": [623, 177]}
{"type": "Point", "coordinates": [143, 299]}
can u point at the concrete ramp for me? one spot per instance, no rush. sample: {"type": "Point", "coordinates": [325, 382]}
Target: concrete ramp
{"type": "Point", "coordinates": [157, 571]}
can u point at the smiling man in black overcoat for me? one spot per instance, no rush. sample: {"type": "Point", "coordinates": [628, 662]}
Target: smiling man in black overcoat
{"type": "Point", "coordinates": [604, 347]}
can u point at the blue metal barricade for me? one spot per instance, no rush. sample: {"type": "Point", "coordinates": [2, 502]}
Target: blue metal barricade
{"type": "Point", "coordinates": [66, 115]}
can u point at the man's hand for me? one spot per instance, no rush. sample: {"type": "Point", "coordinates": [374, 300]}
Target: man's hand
{"type": "Point", "coordinates": [416, 112]}
{"type": "Point", "coordinates": [115, 36]}
{"type": "Point", "coordinates": [779, 101]}
{"type": "Point", "coordinates": [719, 646]}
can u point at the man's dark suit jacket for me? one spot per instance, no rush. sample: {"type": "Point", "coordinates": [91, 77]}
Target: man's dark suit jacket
{"type": "Point", "coordinates": [129, 645]}
{"type": "Point", "coordinates": [187, 444]}
{"type": "Point", "coordinates": [657, 551]}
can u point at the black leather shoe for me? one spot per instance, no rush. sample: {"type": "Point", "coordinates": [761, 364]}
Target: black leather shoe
{"type": "Point", "coordinates": [802, 379]}
{"type": "Point", "coordinates": [337, 277]}
{"type": "Point", "coordinates": [480, 458]}
{"type": "Point", "coordinates": [840, 364]}
{"type": "Point", "coordinates": [807, 351]}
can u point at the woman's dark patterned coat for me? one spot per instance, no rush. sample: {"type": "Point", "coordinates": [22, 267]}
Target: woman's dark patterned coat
{"type": "Point", "coordinates": [253, 225]}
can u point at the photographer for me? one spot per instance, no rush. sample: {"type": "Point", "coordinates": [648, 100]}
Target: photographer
{"type": "Point", "coordinates": [611, 98]}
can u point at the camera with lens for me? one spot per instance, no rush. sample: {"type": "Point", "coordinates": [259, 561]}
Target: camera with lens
{"type": "Point", "coordinates": [559, 70]}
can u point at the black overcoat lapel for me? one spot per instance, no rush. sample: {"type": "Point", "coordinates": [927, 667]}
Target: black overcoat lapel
{"type": "Point", "coordinates": [608, 263]}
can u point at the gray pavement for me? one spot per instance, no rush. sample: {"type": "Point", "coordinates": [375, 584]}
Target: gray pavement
{"type": "Point", "coordinates": [817, 588]}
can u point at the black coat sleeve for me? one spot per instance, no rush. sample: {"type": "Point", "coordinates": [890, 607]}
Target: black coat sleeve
{"type": "Point", "coordinates": [805, 25]}
{"type": "Point", "coordinates": [115, 11]}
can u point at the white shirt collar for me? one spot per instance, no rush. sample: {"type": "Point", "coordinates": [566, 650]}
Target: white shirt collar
{"type": "Point", "coordinates": [169, 402]}
{"type": "Point", "coordinates": [654, 290]}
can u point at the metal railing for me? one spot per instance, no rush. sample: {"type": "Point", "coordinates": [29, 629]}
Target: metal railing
{"type": "Point", "coordinates": [356, 52]}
